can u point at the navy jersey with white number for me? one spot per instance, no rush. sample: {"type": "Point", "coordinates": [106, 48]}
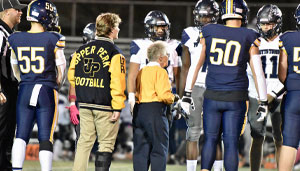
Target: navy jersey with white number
{"type": "Point", "coordinates": [227, 54]}
{"type": "Point", "coordinates": [291, 44]}
{"type": "Point", "coordinates": [35, 53]}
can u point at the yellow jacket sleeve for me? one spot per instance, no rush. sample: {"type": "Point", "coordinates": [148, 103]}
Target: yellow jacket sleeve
{"type": "Point", "coordinates": [117, 71]}
{"type": "Point", "coordinates": [163, 87]}
{"type": "Point", "coordinates": [71, 71]}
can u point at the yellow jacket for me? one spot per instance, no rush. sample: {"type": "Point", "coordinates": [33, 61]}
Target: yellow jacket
{"type": "Point", "coordinates": [153, 85]}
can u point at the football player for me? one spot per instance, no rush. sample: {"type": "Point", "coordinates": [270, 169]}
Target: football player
{"type": "Point", "coordinates": [157, 27]}
{"type": "Point", "coordinates": [39, 65]}
{"type": "Point", "coordinates": [269, 21]}
{"type": "Point", "coordinates": [289, 75]}
{"type": "Point", "coordinates": [205, 12]}
{"type": "Point", "coordinates": [226, 94]}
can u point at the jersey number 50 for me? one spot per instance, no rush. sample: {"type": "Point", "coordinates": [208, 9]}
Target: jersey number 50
{"type": "Point", "coordinates": [296, 59]}
{"type": "Point", "coordinates": [223, 56]}
{"type": "Point", "coordinates": [29, 66]}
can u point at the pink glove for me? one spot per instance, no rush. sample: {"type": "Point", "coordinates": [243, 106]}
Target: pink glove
{"type": "Point", "coordinates": [73, 114]}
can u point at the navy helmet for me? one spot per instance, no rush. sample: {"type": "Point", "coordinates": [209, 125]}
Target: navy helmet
{"type": "Point", "coordinates": [269, 14]}
{"type": "Point", "coordinates": [154, 19]}
{"type": "Point", "coordinates": [88, 33]}
{"type": "Point", "coordinates": [297, 17]}
{"type": "Point", "coordinates": [206, 8]}
{"type": "Point", "coordinates": [44, 12]}
{"type": "Point", "coordinates": [235, 9]}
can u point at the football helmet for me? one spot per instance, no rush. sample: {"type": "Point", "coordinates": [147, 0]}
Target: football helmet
{"type": "Point", "coordinates": [88, 32]}
{"type": "Point", "coordinates": [269, 14]}
{"type": "Point", "coordinates": [206, 8]}
{"type": "Point", "coordinates": [152, 21]}
{"type": "Point", "coordinates": [44, 12]}
{"type": "Point", "coordinates": [297, 17]}
{"type": "Point", "coordinates": [235, 9]}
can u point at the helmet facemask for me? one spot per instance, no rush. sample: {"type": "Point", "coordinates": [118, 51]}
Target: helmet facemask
{"type": "Point", "coordinates": [157, 26]}
{"type": "Point", "coordinates": [205, 12]}
{"type": "Point", "coordinates": [269, 15]}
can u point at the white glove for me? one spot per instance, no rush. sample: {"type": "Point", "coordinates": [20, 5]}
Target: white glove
{"type": "Point", "coordinates": [131, 101]}
{"type": "Point", "coordinates": [262, 111]}
{"type": "Point", "coordinates": [187, 102]}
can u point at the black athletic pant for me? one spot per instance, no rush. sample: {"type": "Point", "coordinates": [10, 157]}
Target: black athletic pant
{"type": "Point", "coordinates": [7, 123]}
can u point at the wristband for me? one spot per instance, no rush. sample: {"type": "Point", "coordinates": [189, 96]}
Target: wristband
{"type": "Point", "coordinates": [264, 102]}
{"type": "Point", "coordinates": [72, 97]}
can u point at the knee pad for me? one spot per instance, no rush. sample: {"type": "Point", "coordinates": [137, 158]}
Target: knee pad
{"type": "Point", "coordinates": [46, 145]}
{"type": "Point", "coordinates": [103, 161]}
{"type": "Point", "coordinates": [193, 133]}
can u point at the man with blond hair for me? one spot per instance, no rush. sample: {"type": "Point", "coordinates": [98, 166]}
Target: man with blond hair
{"type": "Point", "coordinates": [97, 71]}
{"type": "Point", "coordinates": [10, 16]}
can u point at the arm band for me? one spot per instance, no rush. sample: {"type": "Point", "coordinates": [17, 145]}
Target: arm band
{"type": "Point", "coordinates": [260, 77]}
{"type": "Point", "coordinates": [72, 97]}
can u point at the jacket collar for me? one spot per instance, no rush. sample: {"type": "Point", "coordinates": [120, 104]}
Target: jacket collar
{"type": "Point", "coordinates": [104, 39]}
{"type": "Point", "coordinates": [2, 23]}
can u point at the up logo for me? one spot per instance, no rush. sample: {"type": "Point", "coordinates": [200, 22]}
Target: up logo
{"type": "Point", "coordinates": [91, 67]}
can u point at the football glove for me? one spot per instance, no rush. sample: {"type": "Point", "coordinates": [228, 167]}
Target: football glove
{"type": "Point", "coordinates": [131, 101]}
{"type": "Point", "coordinates": [187, 102]}
{"type": "Point", "coordinates": [179, 111]}
{"type": "Point", "coordinates": [262, 111]}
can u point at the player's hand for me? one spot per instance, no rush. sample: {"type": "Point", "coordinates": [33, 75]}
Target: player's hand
{"type": "Point", "coordinates": [74, 113]}
{"type": "Point", "coordinates": [179, 111]}
{"type": "Point", "coordinates": [131, 101]}
{"type": "Point", "coordinates": [187, 102]}
{"type": "Point", "coordinates": [115, 116]}
{"type": "Point", "coordinates": [2, 98]}
{"type": "Point", "coordinates": [262, 111]}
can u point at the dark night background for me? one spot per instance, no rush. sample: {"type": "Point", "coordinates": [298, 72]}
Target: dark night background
{"type": "Point", "coordinates": [75, 14]}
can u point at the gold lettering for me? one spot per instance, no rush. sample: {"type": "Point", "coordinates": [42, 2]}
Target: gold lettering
{"type": "Point", "coordinates": [77, 58]}
{"type": "Point", "coordinates": [93, 49]}
{"type": "Point", "coordinates": [87, 52]}
{"type": "Point", "coordinates": [77, 80]}
{"type": "Point", "coordinates": [103, 53]}
{"type": "Point", "coordinates": [91, 83]}
{"type": "Point", "coordinates": [82, 53]}
{"type": "Point", "coordinates": [106, 64]}
{"type": "Point", "coordinates": [82, 80]}
{"type": "Point", "coordinates": [100, 50]}
{"type": "Point", "coordinates": [101, 84]}
{"type": "Point", "coordinates": [105, 58]}
{"type": "Point", "coordinates": [87, 82]}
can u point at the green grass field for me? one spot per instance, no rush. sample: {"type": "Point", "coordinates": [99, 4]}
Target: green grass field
{"type": "Point", "coordinates": [116, 166]}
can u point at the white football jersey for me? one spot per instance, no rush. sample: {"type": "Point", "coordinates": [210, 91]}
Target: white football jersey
{"type": "Point", "coordinates": [190, 38]}
{"type": "Point", "coordinates": [138, 52]}
{"type": "Point", "coordinates": [269, 53]}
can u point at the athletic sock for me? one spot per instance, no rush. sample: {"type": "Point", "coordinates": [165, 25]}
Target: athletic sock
{"type": "Point", "coordinates": [18, 154]}
{"type": "Point", "coordinates": [191, 165]}
{"type": "Point", "coordinates": [218, 165]}
{"type": "Point", "coordinates": [46, 160]}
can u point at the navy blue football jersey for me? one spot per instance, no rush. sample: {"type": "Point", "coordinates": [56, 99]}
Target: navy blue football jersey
{"type": "Point", "coordinates": [290, 42]}
{"type": "Point", "coordinates": [35, 53]}
{"type": "Point", "coordinates": [227, 54]}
